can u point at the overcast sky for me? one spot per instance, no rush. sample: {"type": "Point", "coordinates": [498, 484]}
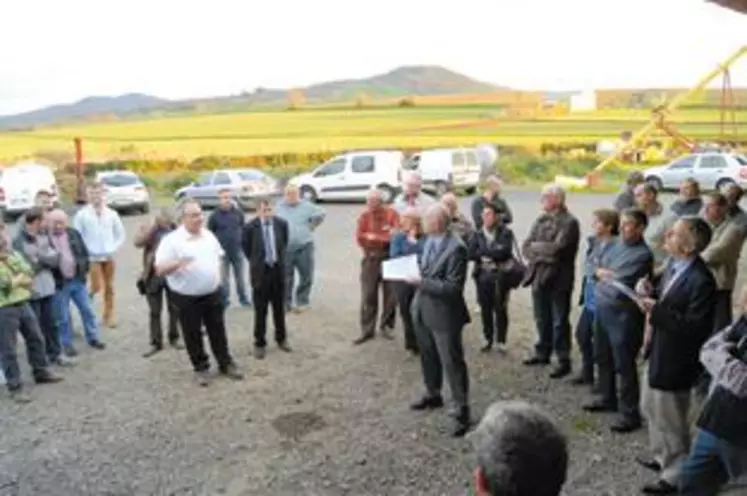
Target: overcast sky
{"type": "Point", "coordinates": [54, 51]}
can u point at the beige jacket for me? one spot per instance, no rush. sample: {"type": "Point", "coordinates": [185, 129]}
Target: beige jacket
{"type": "Point", "coordinates": [722, 254]}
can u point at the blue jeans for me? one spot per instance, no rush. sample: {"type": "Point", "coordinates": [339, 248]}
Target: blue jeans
{"type": "Point", "coordinates": [552, 307]}
{"type": "Point", "coordinates": [234, 259]}
{"type": "Point", "coordinates": [75, 290]}
{"type": "Point", "coordinates": [585, 340]}
{"type": "Point", "coordinates": [301, 259]}
{"type": "Point", "coordinates": [21, 319]}
{"type": "Point", "coordinates": [711, 464]}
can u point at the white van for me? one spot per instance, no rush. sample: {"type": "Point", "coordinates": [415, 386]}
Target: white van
{"type": "Point", "coordinates": [19, 185]}
{"type": "Point", "coordinates": [352, 175]}
{"type": "Point", "coordinates": [444, 169]}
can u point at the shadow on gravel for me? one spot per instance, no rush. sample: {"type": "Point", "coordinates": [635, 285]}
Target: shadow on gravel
{"type": "Point", "coordinates": [298, 424]}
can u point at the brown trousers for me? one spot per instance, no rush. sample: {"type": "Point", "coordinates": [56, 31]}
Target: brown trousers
{"type": "Point", "coordinates": [371, 281]}
{"type": "Point", "coordinates": [102, 277]}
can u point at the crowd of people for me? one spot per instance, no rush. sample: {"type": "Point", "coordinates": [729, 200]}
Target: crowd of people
{"type": "Point", "coordinates": [656, 289]}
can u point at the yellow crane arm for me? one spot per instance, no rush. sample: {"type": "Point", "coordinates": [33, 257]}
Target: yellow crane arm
{"type": "Point", "coordinates": [673, 104]}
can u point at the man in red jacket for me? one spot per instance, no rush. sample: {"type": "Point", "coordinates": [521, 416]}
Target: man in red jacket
{"type": "Point", "coordinates": [375, 228]}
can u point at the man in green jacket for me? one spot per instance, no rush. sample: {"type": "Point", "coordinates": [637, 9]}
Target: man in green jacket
{"type": "Point", "coordinates": [16, 315]}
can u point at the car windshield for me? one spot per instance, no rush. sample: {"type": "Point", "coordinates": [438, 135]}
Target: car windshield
{"type": "Point", "coordinates": [252, 175]}
{"type": "Point", "coordinates": [119, 180]}
{"type": "Point", "coordinates": [741, 159]}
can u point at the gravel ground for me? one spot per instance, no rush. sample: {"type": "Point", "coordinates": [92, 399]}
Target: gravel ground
{"type": "Point", "coordinates": [328, 419]}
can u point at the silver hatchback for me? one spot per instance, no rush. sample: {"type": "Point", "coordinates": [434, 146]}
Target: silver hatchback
{"type": "Point", "coordinates": [246, 186]}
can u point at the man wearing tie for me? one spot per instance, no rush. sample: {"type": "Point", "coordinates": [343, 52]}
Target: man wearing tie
{"type": "Point", "coordinates": [265, 241]}
{"type": "Point", "coordinates": [681, 313]}
{"type": "Point", "coordinates": [440, 313]}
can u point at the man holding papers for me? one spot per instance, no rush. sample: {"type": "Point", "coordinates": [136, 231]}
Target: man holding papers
{"type": "Point", "coordinates": [618, 326]}
{"type": "Point", "coordinates": [440, 313]}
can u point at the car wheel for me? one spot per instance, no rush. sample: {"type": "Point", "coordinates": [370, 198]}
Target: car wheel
{"type": "Point", "coordinates": [722, 184]}
{"type": "Point", "coordinates": [145, 208]}
{"type": "Point", "coordinates": [387, 193]}
{"type": "Point", "coordinates": [309, 194]}
{"type": "Point", "coordinates": [471, 190]}
{"type": "Point", "coordinates": [655, 182]}
{"type": "Point", "coordinates": [441, 188]}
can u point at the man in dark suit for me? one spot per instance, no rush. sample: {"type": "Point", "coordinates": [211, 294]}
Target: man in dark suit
{"type": "Point", "coordinates": [265, 240]}
{"type": "Point", "coordinates": [681, 311]}
{"type": "Point", "coordinates": [440, 313]}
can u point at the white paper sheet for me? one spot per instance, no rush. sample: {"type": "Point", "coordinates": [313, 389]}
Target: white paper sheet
{"type": "Point", "coordinates": [400, 269]}
{"type": "Point", "coordinates": [625, 290]}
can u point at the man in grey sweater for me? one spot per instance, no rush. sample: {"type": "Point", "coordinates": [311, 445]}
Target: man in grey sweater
{"type": "Point", "coordinates": [34, 244]}
{"type": "Point", "coordinates": [303, 217]}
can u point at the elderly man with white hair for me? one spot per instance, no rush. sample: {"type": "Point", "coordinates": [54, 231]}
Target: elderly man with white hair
{"type": "Point", "coordinates": [439, 314]}
{"type": "Point", "coordinates": [412, 194]}
{"type": "Point", "coordinates": [550, 251]}
{"type": "Point", "coordinates": [520, 452]}
{"type": "Point", "coordinates": [491, 195]}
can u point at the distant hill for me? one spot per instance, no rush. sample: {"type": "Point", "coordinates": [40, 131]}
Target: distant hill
{"type": "Point", "coordinates": [403, 81]}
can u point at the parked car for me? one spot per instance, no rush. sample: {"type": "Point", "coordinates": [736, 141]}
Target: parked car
{"type": "Point", "coordinates": [713, 170]}
{"type": "Point", "coordinates": [445, 169]}
{"type": "Point", "coordinates": [125, 191]}
{"type": "Point", "coordinates": [19, 186]}
{"type": "Point", "coordinates": [246, 186]}
{"type": "Point", "coordinates": [352, 175]}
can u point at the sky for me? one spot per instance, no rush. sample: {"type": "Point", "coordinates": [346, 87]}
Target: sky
{"type": "Point", "coordinates": [55, 51]}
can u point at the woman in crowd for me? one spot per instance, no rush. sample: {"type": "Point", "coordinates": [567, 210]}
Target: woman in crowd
{"type": "Point", "coordinates": [605, 225]}
{"type": "Point", "coordinates": [154, 287]}
{"type": "Point", "coordinates": [407, 241]}
{"type": "Point", "coordinates": [491, 248]}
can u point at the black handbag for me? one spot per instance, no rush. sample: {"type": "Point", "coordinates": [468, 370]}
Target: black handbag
{"type": "Point", "coordinates": [513, 270]}
{"type": "Point", "coordinates": [141, 286]}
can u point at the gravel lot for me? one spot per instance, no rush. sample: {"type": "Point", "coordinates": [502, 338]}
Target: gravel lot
{"type": "Point", "coordinates": [328, 419]}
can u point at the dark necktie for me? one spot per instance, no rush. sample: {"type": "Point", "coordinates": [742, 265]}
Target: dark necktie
{"type": "Point", "coordinates": [269, 245]}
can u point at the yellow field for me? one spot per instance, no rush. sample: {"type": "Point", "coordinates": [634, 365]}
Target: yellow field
{"type": "Point", "coordinates": [309, 130]}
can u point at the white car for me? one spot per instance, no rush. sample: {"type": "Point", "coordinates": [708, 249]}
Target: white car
{"type": "Point", "coordinates": [19, 186]}
{"type": "Point", "coordinates": [125, 191]}
{"type": "Point", "coordinates": [445, 169]}
{"type": "Point", "coordinates": [352, 175]}
{"type": "Point", "coordinates": [713, 170]}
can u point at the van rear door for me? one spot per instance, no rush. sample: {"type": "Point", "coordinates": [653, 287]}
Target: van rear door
{"type": "Point", "coordinates": [465, 168]}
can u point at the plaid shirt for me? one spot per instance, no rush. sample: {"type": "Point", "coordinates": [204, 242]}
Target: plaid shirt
{"type": "Point", "coordinates": [14, 265]}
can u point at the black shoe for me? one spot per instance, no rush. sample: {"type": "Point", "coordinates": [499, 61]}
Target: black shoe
{"type": "Point", "coordinates": [259, 352]}
{"type": "Point", "coordinates": [659, 487]}
{"type": "Point", "coordinates": [582, 380]}
{"type": "Point", "coordinates": [626, 426]}
{"type": "Point", "coordinates": [562, 370]}
{"type": "Point", "coordinates": [152, 351]}
{"type": "Point", "coordinates": [47, 378]}
{"type": "Point", "coordinates": [284, 346]}
{"type": "Point", "coordinates": [386, 333]}
{"type": "Point", "coordinates": [459, 429]}
{"type": "Point", "coordinates": [600, 407]}
{"type": "Point", "coordinates": [97, 345]}
{"type": "Point", "coordinates": [535, 361]}
{"type": "Point", "coordinates": [486, 347]}
{"type": "Point", "coordinates": [363, 339]}
{"type": "Point", "coordinates": [428, 403]}
{"type": "Point", "coordinates": [232, 372]}
{"type": "Point", "coordinates": [649, 463]}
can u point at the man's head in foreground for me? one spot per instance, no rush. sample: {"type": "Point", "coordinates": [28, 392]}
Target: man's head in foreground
{"type": "Point", "coordinates": [520, 452]}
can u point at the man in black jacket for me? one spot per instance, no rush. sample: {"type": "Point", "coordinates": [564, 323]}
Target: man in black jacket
{"type": "Point", "coordinates": [719, 452]}
{"type": "Point", "coordinates": [491, 195]}
{"type": "Point", "coordinates": [681, 317]}
{"type": "Point", "coordinates": [265, 242]}
{"type": "Point", "coordinates": [227, 223]}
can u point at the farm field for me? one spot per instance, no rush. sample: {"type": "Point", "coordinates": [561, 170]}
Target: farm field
{"type": "Point", "coordinates": [320, 129]}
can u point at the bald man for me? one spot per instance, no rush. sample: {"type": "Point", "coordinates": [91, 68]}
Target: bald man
{"type": "Point", "coordinates": [374, 232]}
{"type": "Point", "coordinates": [440, 313]}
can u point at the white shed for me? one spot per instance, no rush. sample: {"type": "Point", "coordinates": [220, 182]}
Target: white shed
{"type": "Point", "coordinates": [584, 101]}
